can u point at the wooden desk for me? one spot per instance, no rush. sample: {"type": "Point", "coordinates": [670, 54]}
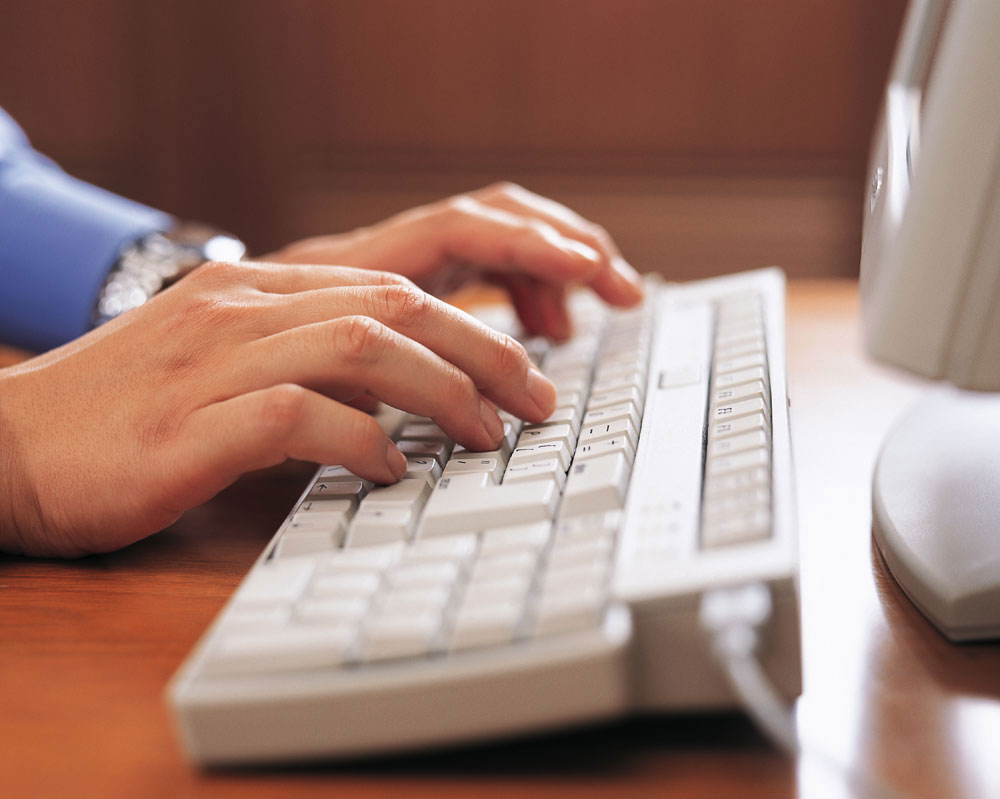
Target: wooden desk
{"type": "Point", "coordinates": [86, 648]}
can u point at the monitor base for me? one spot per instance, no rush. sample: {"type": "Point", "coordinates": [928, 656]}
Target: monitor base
{"type": "Point", "coordinates": [936, 510]}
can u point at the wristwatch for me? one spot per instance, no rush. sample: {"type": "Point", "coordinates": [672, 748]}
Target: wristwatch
{"type": "Point", "coordinates": [154, 261]}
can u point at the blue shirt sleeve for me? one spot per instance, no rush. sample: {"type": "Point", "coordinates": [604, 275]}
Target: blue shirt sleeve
{"type": "Point", "coordinates": [59, 237]}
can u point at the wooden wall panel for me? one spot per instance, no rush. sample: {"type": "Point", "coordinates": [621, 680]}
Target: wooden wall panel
{"type": "Point", "coordinates": [277, 119]}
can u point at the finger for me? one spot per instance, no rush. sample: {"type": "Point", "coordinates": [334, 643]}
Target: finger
{"type": "Point", "coordinates": [282, 278]}
{"type": "Point", "coordinates": [540, 306]}
{"type": "Point", "coordinates": [353, 355]}
{"type": "Point", "coordinates": [617, 282]}
{"type": "Point", "coordinates": [497, 364]}
{"type": "Point", "coordinates": [263, 428]}
{"type": "Point", "coordinates": [365, 402]}
{"type": "Point", "coordinates": [464, 229]}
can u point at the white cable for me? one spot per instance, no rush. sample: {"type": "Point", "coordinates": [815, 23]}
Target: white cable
{"type": "Point", "coordinates": [732, 618]}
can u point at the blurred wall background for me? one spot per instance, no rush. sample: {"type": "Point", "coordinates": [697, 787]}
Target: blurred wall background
{"type": "Point", "coordinates": [706, 135]}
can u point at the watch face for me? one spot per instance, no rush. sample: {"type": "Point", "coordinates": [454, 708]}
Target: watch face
{"type": "Point", "coordinates": [205, 243]}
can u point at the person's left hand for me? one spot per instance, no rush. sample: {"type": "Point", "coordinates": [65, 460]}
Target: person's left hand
{"type": "Point", "coordinates": [532, 246]}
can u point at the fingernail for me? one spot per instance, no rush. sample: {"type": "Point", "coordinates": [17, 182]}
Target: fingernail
{"type": "Point", "coordinates": [562, 323]}
{"type": "Point", "coordinates": [491, 422]}
{"type": "Point", "coordinates": [627, 275]}
{"type": "Point", "coordinates": [541, 391]}
{"type": "Point", "coordinates": [585, 250]}
{"type": "Point", "coordinates": [395, 460]}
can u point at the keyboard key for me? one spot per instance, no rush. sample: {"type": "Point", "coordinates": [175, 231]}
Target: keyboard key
{"type": "Point", "coordinates": [606, 446]}
{"type": "Point", "coordinates": [741, 529]}
{"type": "Point", "coordinates": [622, 428]}
{"type": "Point", "coordinates": [275, 582]}
{"type": "Point", "coordinates": [744, 391]}
{"type": "Point", "coordinates": [496, 589]}
{"type": "Point", "coordinates": [744, 424]}
{"type": "Point", "coordinates": [613, 413]}
{"type": "Point", "coordinates": [530, 537]}
{"type": "Point", "coordinates": [424, 431]}
{"type": "Point", "coordinates": [485, 625]}
{"type": "Point", "coordinates": [718, 465]}
{"type": "Point", "coordinates": [458, 508]}
{"type": "Point", "coordinates": [719, 507]}
{"type": "Point", "coordinates": [331, 609]}
{"type": "Point", "coordinates": [596, 484]}
{"type": "Point", "coordinates": [458, 549]}
{"type": "Point", "coordinates": [309, 542]}
{"type": "Point", "coordinates": [352, 490]}
{"type": "Point", "coordinates": [589, 526]}
{"type": "Point", "coordinates": [539, 434]}
{"type": "Point", "coordinates": [420, 468]}
{"type": "Point", "coordinates": [607, 399]}
{"type": "Point", "coordinates": [331, 505]}
{"type": "Point", "coordinates": [275, 650]}
{"type": "Point", "coordinates": [730, 445]}
{"type": "Point", "coordinates": [346, 584]}
{"type": "Point", "coordinates": [736, 378]}
{"type": "Point", "coordinates": [439, 450]}
{"type": "Point", "coordinates": [392, 636]}
{"type": "Point", "coordinates": [734, 410]}
{"type": "Point", "coordinates": [566, 415]}
{"type": "Point", "coordinates": [408, 492]}
{"type": "Point", "coordinates": [549, 469]}
{"type": "Point", "coordinates": [381, 525]}
{"type": "Point", "coordinates": [421, 600]}
{"type": "Point", "coordinates": [727, 365]}
{"type": "Point", "coordinates": [737, 481]}
{"type": "Point", "coordinates": [422, 575]}
{"type": "Point", "coordinates": [568, 612]}
{"type": "Point", "coordinates": [492, 466]}
{"type": "Point", "coordinates": [542, 452]}
{"type": "Point", "coordinates": [501, 565]}
{"type": "Point", "coordinates": [362, 559]}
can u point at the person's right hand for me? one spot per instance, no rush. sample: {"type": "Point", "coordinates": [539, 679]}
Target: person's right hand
{"type": "Point", "coordinates": [236, 368]}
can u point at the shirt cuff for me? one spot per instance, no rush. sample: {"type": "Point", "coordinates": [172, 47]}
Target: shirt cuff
{"type": "Point", "coordinates": [59, 238]}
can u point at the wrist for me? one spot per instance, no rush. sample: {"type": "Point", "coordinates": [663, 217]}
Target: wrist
{"type": "Point", "coordinates": [14, 488]}
{"type": "Point", "coordinates": [156, 260]}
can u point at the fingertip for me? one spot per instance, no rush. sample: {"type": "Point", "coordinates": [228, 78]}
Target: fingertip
{"type": "Point", "coordinates": [542, 392]}
{"type": "Point", "coordinates": [620, 284]}
{"type": "Point", "coordinates": [395, 461]}
{"type": "Point", "coordinates": [582, 250]}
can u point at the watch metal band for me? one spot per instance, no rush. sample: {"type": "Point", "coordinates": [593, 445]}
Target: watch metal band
{"type": "Point", "coordinates": [156, 260]}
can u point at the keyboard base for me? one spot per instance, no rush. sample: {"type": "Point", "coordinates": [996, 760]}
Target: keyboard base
{"type": "Point", "coordinates": [403, 706]}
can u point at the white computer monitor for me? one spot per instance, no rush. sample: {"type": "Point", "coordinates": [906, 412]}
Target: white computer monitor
{"type": "Point", "coordinates": [930, 284]}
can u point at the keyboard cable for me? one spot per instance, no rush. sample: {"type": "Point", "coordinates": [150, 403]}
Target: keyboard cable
{"type": "Point", "coordinates": [732, 618]}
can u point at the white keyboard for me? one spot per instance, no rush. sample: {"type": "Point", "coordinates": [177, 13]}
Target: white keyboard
{"type": "Point", "coordinates": [556, 580]}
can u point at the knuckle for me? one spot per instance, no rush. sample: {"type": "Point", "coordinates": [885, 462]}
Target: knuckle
{"type": "Point", "coordinates": [599, 233]}
{"type": "Point", "coordinates": [282, 409]}
{"type": "Point", "coordinates": [219, 273]}
{"type": "Point", "coordinates": [365, 432]}
{"type": "Point", "coordinates": [358, 339]}
{"type": "Point", "coordinates": [462, 389]}
{"type": "Point", "coordinates": [404, 306]}
{"type": "Point", "coordinates": [502, 188]}
{"type": "Point", "coordinates": [509, 355]}
{"type": "Point", "coordinates": [458, 207]}
{"type": "Point", "coordinates": [394, 279]}
{"type": "Point", "coordinates": [208, 311]}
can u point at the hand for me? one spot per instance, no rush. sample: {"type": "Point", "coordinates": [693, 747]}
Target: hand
{"type": "Point", "coordinates": [235, 368]}
{"type": "Point", "coordinates": [532, 246]}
